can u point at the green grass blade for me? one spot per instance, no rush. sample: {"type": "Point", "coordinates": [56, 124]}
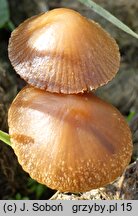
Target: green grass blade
{"type": "Point", "coordinates": [130, 116]}
{"type": "Point", "coordinates": [4, 12]}
{"type": "Point", "coordinates": [10, 25]}
{"type": "Point", "coordinates": [5, 137]}
{"type": "Point", "coordinates": [107, 15]}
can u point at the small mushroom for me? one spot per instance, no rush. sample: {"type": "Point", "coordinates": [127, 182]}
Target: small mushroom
{"type": "Point", "coordinates": [69, 142]}
{"type": "Point", "coordinates": [64, 52]}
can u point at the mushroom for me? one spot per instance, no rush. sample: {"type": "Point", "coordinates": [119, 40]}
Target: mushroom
{"type": "Point", "coordinates": [64, 52]}
{"type": "Point", "coordinates": [69, 142]}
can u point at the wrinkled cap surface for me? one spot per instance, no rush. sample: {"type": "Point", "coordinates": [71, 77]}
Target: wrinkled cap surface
{"type": "Point", "coordinates": [62, 51]}
{"type": "Point", "coordinates": [69, 142]}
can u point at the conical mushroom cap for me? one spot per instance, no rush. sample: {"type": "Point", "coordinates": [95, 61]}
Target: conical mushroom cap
{"type": "Point", "coordinates": [62, 51]}
{"type": "Point", "coordinates": [69, 142]}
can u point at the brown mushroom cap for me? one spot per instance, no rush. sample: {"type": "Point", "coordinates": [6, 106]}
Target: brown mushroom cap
{"type": "Point", "coordinates": [62, 51]}
{"type": "Point", "coordinates": [69, 142]}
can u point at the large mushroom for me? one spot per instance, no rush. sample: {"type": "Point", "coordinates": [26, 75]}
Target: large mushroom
{"type": "Point", "coordinates": [62, 51]}
{"type": "Point", "coordinates": [69, 142]}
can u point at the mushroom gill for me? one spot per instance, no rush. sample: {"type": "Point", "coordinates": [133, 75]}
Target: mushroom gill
{"type": "Point", "coordinates": [61, 51]}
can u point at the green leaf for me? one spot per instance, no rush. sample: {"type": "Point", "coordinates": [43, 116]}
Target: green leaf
{"type": "Point", "coordinates": [107, 15]}
{"type": "Point", "coordinates": [4, 12]}
{"type": "Point", "coordinates": [130, 116]}
{"type": "Point", "coordinates": [36, 188]}
{"type": "Point", "coordinates": [5, 137]}
{"type": "Point", "coordinates": [18, 196]}
{"type": "Point", "coordinates": [39, 190]}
